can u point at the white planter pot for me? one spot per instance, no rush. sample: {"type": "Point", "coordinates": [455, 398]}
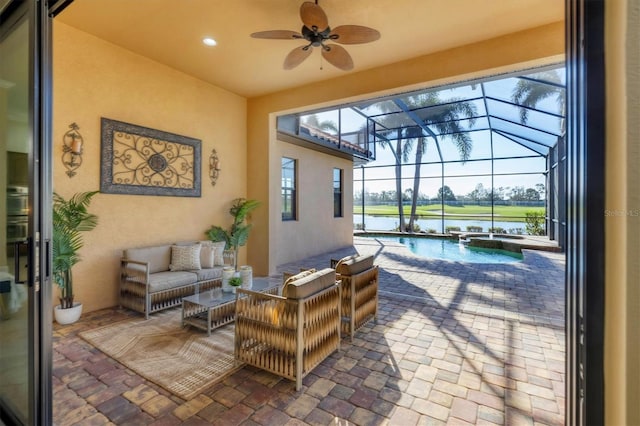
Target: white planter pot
{"type": "Point", "coordinates": [68, 316]}
{"type": "Point", "coordinates": [227, 272]}
{"type": "Point", "coordinates": [246, 273]}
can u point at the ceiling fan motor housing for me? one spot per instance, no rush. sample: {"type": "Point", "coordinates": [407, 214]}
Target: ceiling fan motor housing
{"type": "Point", "coordinates": [315, 37]}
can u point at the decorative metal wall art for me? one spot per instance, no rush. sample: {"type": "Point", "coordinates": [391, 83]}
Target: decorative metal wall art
{"type": "Point", "coordinates": [142, 161]}
{"type": "Point", "coordinates": [72, 149]}
{"type": "Point", "coordinates": [214, 167]}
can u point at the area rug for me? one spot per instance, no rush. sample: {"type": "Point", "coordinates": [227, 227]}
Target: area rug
{"type": "Point", "coordinates": [184, 361]}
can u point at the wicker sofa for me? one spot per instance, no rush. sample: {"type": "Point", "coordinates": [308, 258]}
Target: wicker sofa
{"type": "Point", "coordinates": [158, 277]}
{"type": "Point", "coordinates": [290, 335]}
{"type": "Point", "coordinates": [359, 281]}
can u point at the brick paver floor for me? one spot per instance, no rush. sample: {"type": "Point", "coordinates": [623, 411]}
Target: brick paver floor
{"type": "Point", "coordinates": [454, 343]}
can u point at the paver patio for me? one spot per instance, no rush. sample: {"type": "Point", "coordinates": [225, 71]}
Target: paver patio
{"type": "Point", "coordinates": [455, 343]}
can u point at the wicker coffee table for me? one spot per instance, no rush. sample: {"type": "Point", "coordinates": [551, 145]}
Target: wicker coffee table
{"type": "Point", "coordinates": [214, 308]}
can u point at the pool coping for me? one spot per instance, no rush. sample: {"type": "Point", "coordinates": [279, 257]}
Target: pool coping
{"type": "Point", "coordinates": [515, 243]}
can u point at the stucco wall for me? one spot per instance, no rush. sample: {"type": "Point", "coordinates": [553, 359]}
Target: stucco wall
{"type": "Point", "coordinates": [622, 226]}
{"type": "Point", "coordinates": [534, 47]}
{"type": "Point", "coordinates": [315, 230]}
{"type": "Point", "coordinates": [3, 178]}
{"type": "Point", "coordinates": [94, 79]}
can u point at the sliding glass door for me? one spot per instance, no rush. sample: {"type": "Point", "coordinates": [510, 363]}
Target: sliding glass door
{"type": "Point", "coordinates": [25, 200]}
{"type": "Point", "coordinates": [16, 286]}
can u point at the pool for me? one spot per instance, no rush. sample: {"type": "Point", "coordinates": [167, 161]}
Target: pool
{"type": "Point", "coordinates": [446, 249]}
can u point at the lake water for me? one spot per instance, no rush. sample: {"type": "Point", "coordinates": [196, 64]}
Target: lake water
{"type": "Point", "coordinates": [438, 248]}
{"type": "Point", "coordinates": [383, 223]}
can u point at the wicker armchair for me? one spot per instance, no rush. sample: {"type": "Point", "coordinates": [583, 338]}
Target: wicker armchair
{"type": "Point", "coordinates": [359, 282]}
{"type": "Point", "coordinates": [290, 335]}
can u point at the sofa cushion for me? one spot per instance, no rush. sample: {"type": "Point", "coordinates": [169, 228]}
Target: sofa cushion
{"type": "Point", "coordinates": [167, 280]}
{"type": "Point", "coordinates": [208, 274]}
{"type": "Point", "coordinates": [218, 255]}
{"type": "Point", "coordinates": [207, 256]}
{"type": "Point", "coordinates": [305, 284]}
{"type": "Point", "coordinates": [158, 257]}
{"type": "Point", "coordinates": [218, 259]}
{"type": "Point", "coordinates": [353, 265]}
{"type": "Point", "coordinates": [185, 258]}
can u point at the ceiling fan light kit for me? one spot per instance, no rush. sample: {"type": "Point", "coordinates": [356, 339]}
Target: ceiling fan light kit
{"type": "Point", "coordinates": [317, 33]}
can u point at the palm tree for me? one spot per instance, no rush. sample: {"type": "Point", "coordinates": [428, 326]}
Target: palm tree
{"type": "Point", "coordinates": [530, 92]}
{"type": "Point", "coordinates": [70, 219]}
{"type": "Point", "coordinates": [400, 153]}
{"type": "Point", "coordinates": [326, 125]}
{"type": "Point", "coordinates": [445, 119]}
{"type": "Point", "coordinates": [238, 233]}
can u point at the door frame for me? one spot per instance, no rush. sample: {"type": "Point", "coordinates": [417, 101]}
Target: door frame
{"type": "Point", "coordinates": [38, 14]}
{"type": "Point", "coordinates": [585, 274]}
{"type": "Point", "coordinates": [585, 205]}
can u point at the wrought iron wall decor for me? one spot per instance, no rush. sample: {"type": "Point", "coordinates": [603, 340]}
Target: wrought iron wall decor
{"type": "Point", "coordinates": [214, 167]}
{"type": "Point", "coordinates": [142, 161]}
{"type": "Point", "coordinates": [72, 149]}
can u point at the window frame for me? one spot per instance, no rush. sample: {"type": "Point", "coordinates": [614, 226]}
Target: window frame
{"type": "Point", "coordinates": [289, 192]}
{"type": "Point", "coordinates": [339, 193]}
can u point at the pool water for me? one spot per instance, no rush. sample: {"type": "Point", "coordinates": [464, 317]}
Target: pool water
{"type": "Point", "coordinates": [452, 250]}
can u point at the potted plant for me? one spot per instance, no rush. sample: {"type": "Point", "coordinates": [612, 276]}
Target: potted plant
{"type": "Point", "coordinates": [238, 234]}
{"type": "Point", "coordinates": [235, 282]}
{"type": "Point", "coordinates": [70, 219]}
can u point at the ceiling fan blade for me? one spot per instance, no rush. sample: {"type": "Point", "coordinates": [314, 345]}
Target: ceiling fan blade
{"type": "Point", "coordinates": [354, 34]}
{"type": "Point", "coordinates": [296, 56]}
{"type": "Point", "coordinates": [277, 34]}
{"type": "Point", "coordinates": [312, 15]}
{"type": "Point", "coordinates": [338, 57]}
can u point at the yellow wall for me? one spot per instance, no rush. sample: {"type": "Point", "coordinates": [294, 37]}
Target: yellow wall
{"type": "Point", "coordinates": [316, 230]}
{"type": "Point", "coordinates": [94, 79]}
{"type": "Point", "coordinates": [3, 177]}
{"type": "Point", "coordinates": [535, 47]}
{"type": "Point", "coordinates": [622, 292]}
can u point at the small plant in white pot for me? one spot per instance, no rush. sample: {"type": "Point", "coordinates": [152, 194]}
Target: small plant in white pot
{"type": "Point", "coordinates": [235, 282]}
{"type": "Point", "coordinates": [70, 219]}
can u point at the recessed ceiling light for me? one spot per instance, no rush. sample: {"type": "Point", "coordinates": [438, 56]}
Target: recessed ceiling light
{"type": "Point", "coordinates": [209, 41]}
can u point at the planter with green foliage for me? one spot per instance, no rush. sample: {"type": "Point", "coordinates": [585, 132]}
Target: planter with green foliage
{"type": "Point", "coordinates": [70, 219]}
{"type": "Point", "coordinates": [535, 223]}
{"type": "Point", "coordinates": [235, 282]}
{"type": "Point", "coordinates": [236, 236]}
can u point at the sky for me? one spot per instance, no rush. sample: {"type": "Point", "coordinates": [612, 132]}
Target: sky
{"type": "Point", "coordinates": [509, 137]}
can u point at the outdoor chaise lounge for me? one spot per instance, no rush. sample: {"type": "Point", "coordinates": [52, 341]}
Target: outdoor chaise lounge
{"type": "Point", "coordinates": [290, 335]}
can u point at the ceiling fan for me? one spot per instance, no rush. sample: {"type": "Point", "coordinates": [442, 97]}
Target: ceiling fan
{"type": "Point", "coordinates": [316, 31]}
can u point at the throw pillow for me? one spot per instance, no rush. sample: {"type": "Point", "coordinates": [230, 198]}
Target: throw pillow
{"type": "Point", "coordinates": [207, 255]}
{"type": "Point", "coordinates": [218, 259]}
{"type": "Point", "coordinates": [185, 258]}
{"type": "Point", "coordinates": [289, 281]}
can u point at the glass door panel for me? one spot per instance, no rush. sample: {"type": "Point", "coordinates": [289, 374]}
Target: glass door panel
{"type": "Point", "coordinates": [15, 291]}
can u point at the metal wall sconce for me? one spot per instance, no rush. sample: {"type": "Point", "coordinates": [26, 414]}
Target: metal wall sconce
{"type": "Point", "coordinates": [72, 149]}
{"type": "Point", "coordinates": [214, 167]}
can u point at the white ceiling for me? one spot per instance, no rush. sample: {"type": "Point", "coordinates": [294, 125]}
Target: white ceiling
{"type": "Point", "coordinates": [170, 32]}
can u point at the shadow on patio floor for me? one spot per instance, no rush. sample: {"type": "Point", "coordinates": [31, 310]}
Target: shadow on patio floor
{"type": "Point", "coordinates": [454, 342]}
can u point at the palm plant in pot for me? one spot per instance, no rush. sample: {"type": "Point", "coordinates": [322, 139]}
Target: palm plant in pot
{"type": "Point", "coordinates": [70, 219]}
{"type": "Point", "coordinates": [236, 236]}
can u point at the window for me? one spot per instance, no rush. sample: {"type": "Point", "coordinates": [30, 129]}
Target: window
{"type": "Point", "coordinates": [289, 189]}
{"type": "Point", "coordinates": [337, 192]}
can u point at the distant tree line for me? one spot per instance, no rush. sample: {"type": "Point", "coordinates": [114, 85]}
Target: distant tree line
{"type": "Point", "coordinates": [480, 193]}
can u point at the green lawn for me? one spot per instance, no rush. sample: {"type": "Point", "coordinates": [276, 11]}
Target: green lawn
{"type": "Point", "coordinates": [510, 213]}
